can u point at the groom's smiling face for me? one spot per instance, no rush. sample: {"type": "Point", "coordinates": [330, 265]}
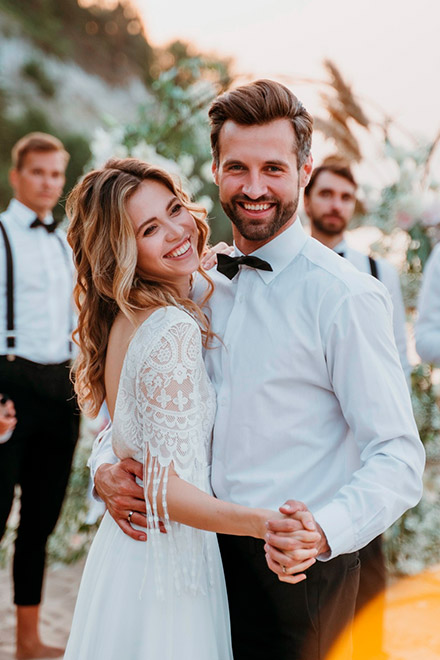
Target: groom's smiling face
{"type": "Point", "coordinates": [259, 180]}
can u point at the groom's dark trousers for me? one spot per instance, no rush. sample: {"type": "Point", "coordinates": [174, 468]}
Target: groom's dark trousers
{"type": "Point", "coordinates": [280, 621]}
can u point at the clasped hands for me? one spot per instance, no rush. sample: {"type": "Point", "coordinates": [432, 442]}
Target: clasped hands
{"type": "Point", "coordinates": [293, 542]}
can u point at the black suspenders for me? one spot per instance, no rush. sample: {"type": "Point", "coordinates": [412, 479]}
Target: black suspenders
{"type": "Point", "coordinates": [10, 330]}
{"type": "Point", "coordinates": [373, 265]}
{"type": "Point", "coordinates": [10, 333]}
{"type": "Point", "coordinates": [373, 268]}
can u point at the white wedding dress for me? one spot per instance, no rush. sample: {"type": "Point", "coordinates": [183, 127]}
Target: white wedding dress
{"type": "Point", "coordinates": [164, 599]}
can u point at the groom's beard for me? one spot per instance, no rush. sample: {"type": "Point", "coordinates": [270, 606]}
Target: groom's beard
{"type": "Point", "coordinates": [260, 230]}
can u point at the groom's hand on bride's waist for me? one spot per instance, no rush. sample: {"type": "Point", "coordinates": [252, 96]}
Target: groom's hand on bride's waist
{"type": "Point", "coordinates": [124, 498]}
{"type": "Point", "coordinates": [294, 542]}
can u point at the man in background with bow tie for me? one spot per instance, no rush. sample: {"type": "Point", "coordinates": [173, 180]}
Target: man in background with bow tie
{"type": "Point", "coordinates": [36, 321]}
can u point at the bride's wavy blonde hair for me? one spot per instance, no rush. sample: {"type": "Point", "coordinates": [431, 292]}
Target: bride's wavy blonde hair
{"type": "Point", "coordinates": [105, 253]}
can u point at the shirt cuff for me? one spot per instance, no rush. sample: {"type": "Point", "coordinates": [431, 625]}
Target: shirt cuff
{"type": "Point", "coordinates": [338, 528]}
{"type": "Point", "coordinates": [95, 462]}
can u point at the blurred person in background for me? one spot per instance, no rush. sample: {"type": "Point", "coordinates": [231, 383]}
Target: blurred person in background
{"type": "Point", "coordinates": [427, 328]}
{"type": "Point", "coordinates": [330, 202]}
{"type": "Point", "coordinates": [36, 320]}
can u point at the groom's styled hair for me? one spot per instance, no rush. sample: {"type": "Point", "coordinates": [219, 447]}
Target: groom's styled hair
{"type": "Point", "coordinates": [259, 103]}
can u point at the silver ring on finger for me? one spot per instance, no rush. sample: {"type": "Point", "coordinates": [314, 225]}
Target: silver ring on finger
{"type": "Point", "coordinates": [129, 516]}
{"type": "Point", "coordinates": [284, 569]}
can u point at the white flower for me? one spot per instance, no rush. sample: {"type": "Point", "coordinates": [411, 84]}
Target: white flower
{"type": "Point", "coordinates": [106, 144]}
{"type": "Point", "coordinates": [146, 152]}
{"type": "Point", "coordinates": [202, 89]}
{"type": "Point", "coordinates": [206, 171]}
{"type": "Point", "coordinates": [186, 164]}
{"type": "Point", "coordinates": [194, 185]}
{"type": "Point", "coordinates": [430, 215]}
{"type": "Point", "coordinates": [206, 202]}
{"type": "Point", "coordinates": [410, 203]}
{"type": "Point", "coordinates": [404, 220]}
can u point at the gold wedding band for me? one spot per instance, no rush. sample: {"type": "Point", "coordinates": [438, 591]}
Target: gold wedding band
{"type": "Point", "coordinates": [129, 516]}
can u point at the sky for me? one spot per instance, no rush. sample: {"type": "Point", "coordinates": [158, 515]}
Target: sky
{"type": "Point", "coordinates": [388, 50]}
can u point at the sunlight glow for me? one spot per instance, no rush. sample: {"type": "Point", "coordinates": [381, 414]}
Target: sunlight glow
{"type": "Point", "coordinates": [388, 50]}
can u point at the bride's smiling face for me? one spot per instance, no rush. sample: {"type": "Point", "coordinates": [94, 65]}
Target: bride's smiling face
{"type": "Point", "coordinates": [166, 235]}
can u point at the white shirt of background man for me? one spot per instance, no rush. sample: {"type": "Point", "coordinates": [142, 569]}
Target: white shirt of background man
{"type": "Point", "coordinates": [389, 276]}
{"type": "Point", "coordinates": [43, 282]}
{"type": "Point", "coordinates": [428, 324]}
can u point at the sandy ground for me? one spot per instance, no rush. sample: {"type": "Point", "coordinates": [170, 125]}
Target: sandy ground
{"type": "Point", "coordinates": [61, 587]}
{"type": "Point", "coordinates": [412, 630]}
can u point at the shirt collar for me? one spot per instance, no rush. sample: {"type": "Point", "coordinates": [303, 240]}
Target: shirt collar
{"type": "Point", "coordinates": [341, 247]}
{"type": "Point", "coordinates": [280, 251]}
{"type": "Point", "coordinates": [23, 215]}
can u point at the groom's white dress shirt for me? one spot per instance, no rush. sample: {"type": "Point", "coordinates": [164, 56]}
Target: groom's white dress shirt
{"type": "Point", "coordinates": [428, 323]}
{"type": "Point", "coordinates": [389, 276]}
{"type": "Point", "coordinates": [43, 282]}
{"type": "Point", "coordinates": [312, 400]}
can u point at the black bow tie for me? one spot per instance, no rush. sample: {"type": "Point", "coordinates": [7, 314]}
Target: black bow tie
{"type": "Point", "coordinates": [38, 223]}
{"type": "Point", "coordinates": [229, 265]}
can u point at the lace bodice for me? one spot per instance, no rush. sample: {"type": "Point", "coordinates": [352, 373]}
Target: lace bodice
{"type": "Point", "coordinates": [164, 415]}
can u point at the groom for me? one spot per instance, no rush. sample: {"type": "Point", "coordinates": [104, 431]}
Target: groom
{"type": "Point", "coordinates": [312, 400]}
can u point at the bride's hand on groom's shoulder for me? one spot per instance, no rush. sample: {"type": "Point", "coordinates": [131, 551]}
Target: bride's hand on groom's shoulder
{"type": "Point", "coordinates": [209, 258]}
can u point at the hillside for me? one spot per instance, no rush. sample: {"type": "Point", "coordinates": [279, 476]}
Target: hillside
{"type": "Point", "coordinates": [106, 42]}
{"type": "Point", "coordinates": [69, 69]}
{"type": "Point", "coordinates": [65, 70]}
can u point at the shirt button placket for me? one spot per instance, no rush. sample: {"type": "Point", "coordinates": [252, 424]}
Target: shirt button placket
{"type": "Point", "coordinates": [231, 333]}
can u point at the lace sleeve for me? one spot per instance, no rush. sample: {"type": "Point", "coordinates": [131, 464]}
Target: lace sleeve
{"type": "Point", "coordinates": [171, 405]}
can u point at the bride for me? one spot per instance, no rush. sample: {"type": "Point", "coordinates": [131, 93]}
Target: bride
{"type": "Point", "coordinates": [137, 240]}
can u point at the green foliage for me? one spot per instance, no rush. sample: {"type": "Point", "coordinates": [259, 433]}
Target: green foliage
{"type": "Point", "coordinates": [426, 410]}
{"type": "Point", "coordinates": [419, 248]}
{"type": "Point", "coordinates": [409, 204]}
{"type": "Point", "coordinates": [46, 31]}
{"type": "Point", "coordinates": [413, 542]}
{"type": "Point", "coordinates": [79, 149]}
{"type": "Point", "coordinates": [34, 71]}
{"type": "Point", "coordinates": [174, 126]}
{"type": "Point", "coordinates": [109, 43]}
{"type": "Point", "coordinates": [63, 29]}
{"type": "Point", "coordinates": [72, 536]}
